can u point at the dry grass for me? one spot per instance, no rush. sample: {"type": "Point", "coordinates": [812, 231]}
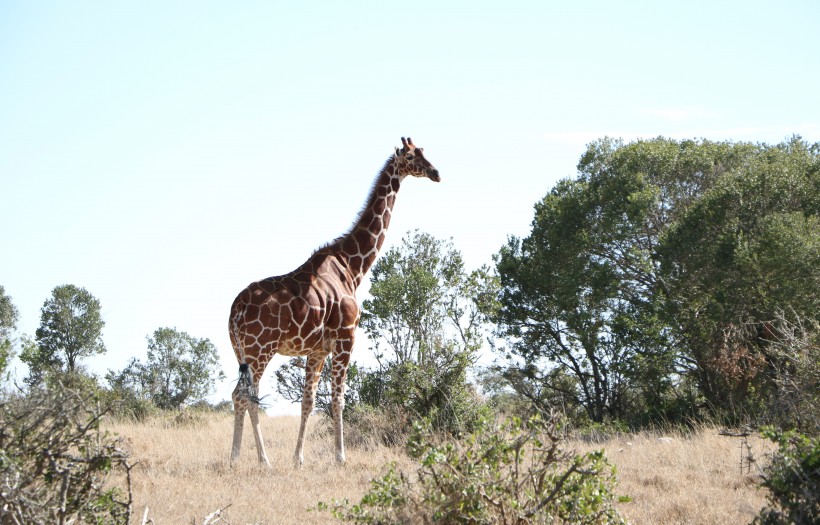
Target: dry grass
{"type": "Point", "coordinates": [700, 478]}
{"type": "Point", "coordinates": [183, 474]}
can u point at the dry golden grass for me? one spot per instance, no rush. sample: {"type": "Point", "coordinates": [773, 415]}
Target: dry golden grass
{"type": "Point", "coordinates": [694, 479]}
{"type": "Point", "coordinates": [183, 474]}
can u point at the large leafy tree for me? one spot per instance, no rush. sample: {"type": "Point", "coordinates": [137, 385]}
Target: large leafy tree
{"type": "Point", "coordinates": [741, 265]}
{"type": "Point", "coordinates": [8, 322]}
{"type": "Point", "coordinates": [593, 298]}
{"type": "Point", "coordinates": [70, 329]}
{"type": "Point", "coordinates": [179, 370]}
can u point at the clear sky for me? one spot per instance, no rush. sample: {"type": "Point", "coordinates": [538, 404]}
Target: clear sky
{"type": "Point", "coordinates": [163, 155]}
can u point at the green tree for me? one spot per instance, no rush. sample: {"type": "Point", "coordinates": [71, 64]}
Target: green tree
{"type": "Point", "coordinates": [638, 271]}
{"type": "Point", "coordinates": [8, 323]}
{"type": "Point", "coordinates": [180, 369]}
{"type": "Point", "coordinates": [583, 294]}
{"type": "Point", "coordinates": [746, 251]}
{"type": "Point", "coordinates": [70, 329]}
{"type": "Point", "coordinates": [426, 318]}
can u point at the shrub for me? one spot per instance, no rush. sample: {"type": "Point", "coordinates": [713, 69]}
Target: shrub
{"type": "Point", "coordinates": [793, 348]}
{"type": "Point", "coordinates": [501, 474]}
{"type": "Point", "coordinates": [56, 464]}
{"type": "Point", "coordinates": [368, 428]}
{"type": "Point", "coordinates": [793, 480]}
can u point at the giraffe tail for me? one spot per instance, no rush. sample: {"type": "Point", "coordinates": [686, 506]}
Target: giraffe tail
{"type": "Point", "coordinates": [246, 385]}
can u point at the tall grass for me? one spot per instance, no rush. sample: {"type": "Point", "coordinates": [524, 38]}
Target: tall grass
{"type": "Point", "coordinates": [183, 473]}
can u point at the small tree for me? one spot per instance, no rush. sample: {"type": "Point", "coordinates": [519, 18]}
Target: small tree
{"type": "Point", "coordinates": [180, 370]}
{"type": "Point", "coordinates": [8, 323]}
{"type": "Point", "coordinates": [70, 329]}
{"type": "Point", "coordinates": [426, 318]}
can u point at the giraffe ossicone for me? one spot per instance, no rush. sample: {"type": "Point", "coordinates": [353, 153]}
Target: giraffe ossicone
{"type": "Point", "coordinates": [312, 311]}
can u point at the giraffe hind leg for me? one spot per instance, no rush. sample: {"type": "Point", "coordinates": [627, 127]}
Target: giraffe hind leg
{"type": "Point", "coordinates": [245, 398]}
{"type": "Point", "coordinates": [313, 371]}
{"type": "Point", "coordinates": [240, 406]}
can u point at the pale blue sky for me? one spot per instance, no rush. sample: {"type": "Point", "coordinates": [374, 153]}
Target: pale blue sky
{"type": "Point", "coordinates": [165, 154]}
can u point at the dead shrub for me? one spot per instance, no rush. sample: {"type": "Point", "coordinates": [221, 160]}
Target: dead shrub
{"type": "Point", "coordinates": [56, 465]}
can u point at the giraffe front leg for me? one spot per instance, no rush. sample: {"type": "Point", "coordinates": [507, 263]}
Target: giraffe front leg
{"type": "Point", "coordinates": [341, 360]}
{"type": "Point", "coordinates": [313, 370]}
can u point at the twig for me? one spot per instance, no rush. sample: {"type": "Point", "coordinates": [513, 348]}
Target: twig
{"type": "Point", "coordinates": [145, 519]}
{"type": "Point", "coordinates": [216, 515]}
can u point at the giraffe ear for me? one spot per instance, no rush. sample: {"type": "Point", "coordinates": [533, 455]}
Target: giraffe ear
{"type": "Point", "coordinates": [398, 152]}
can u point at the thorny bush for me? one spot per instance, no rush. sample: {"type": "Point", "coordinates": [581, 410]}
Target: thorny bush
{"type": "Point", "coordinates": [56, 465]}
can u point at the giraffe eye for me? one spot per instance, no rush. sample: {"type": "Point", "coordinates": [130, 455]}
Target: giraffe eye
{"type": "Point", "coordinates": [408, 157]}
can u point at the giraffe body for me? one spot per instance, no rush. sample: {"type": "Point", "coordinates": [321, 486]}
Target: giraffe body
{"type": "Point", "coordinates": [312, 311]}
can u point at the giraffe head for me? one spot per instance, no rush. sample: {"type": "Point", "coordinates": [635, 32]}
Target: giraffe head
{"type": "Point", "coordinates": [410, 161]}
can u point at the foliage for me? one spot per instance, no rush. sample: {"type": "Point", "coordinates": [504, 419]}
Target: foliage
{"type": "Point", "coordinates": [637, 272]}
{"type": "Point", "coordinates": [746, 250]}
{"type": "Point", "coordinates": [426, 316]}
{"type": "Point", "coordinates": [180, 369]}
{"type": "Point", "coordinates": [56, 466]}
{"type": "Point", "coordinates": [70, 328]}
{"type": "Point", "coordinates": [502, 474]}
{"type": "Point", "coordinates": [793, 480]}
{"type": "Point", "coordinates": [8, 322]}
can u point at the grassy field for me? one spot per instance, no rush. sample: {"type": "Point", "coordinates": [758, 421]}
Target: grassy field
{"type": "Point", "coordinates": [183, 474]}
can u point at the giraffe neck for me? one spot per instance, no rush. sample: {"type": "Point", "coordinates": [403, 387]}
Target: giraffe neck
{"type": "Point", "coordinates": [361, 245]}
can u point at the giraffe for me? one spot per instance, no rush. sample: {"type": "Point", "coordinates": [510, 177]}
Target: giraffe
{"type": "Point", "coordinates": [312, 311]}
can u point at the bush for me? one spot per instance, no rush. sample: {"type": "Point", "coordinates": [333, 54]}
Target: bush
{"type": "Point", "coordinates": [368, 428]}
{"type": "Point", "coordinates": [793, 348]}
{"type": "Point", "coordinates": [501, 474]}
{"type": "Point", "coordinates": [793, 480]}
{"type": "Point", "coordinates": [437, 391]}
{"type": "Point", "coordinates": [56, 464]}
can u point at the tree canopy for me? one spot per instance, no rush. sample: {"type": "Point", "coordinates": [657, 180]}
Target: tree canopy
{"type": "Point", "coordinates": [599, 302]}
{"type": "Point", "coordinates": [70, 328]}
{"type": "Point", "coordinates": [179, 370]}
{"type": "Point", "coordinates": [426, 318]}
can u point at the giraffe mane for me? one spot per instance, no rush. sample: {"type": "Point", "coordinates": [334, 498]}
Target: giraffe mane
{"type": "Point", "coordinates": [368, 201]}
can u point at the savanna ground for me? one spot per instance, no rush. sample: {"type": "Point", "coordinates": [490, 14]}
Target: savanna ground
{"type": "Point", "coordinates": [183, 473]}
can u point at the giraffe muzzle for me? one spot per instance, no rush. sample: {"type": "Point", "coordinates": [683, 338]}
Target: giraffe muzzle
{"type": "Point", "coordinates": [433, 175]}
